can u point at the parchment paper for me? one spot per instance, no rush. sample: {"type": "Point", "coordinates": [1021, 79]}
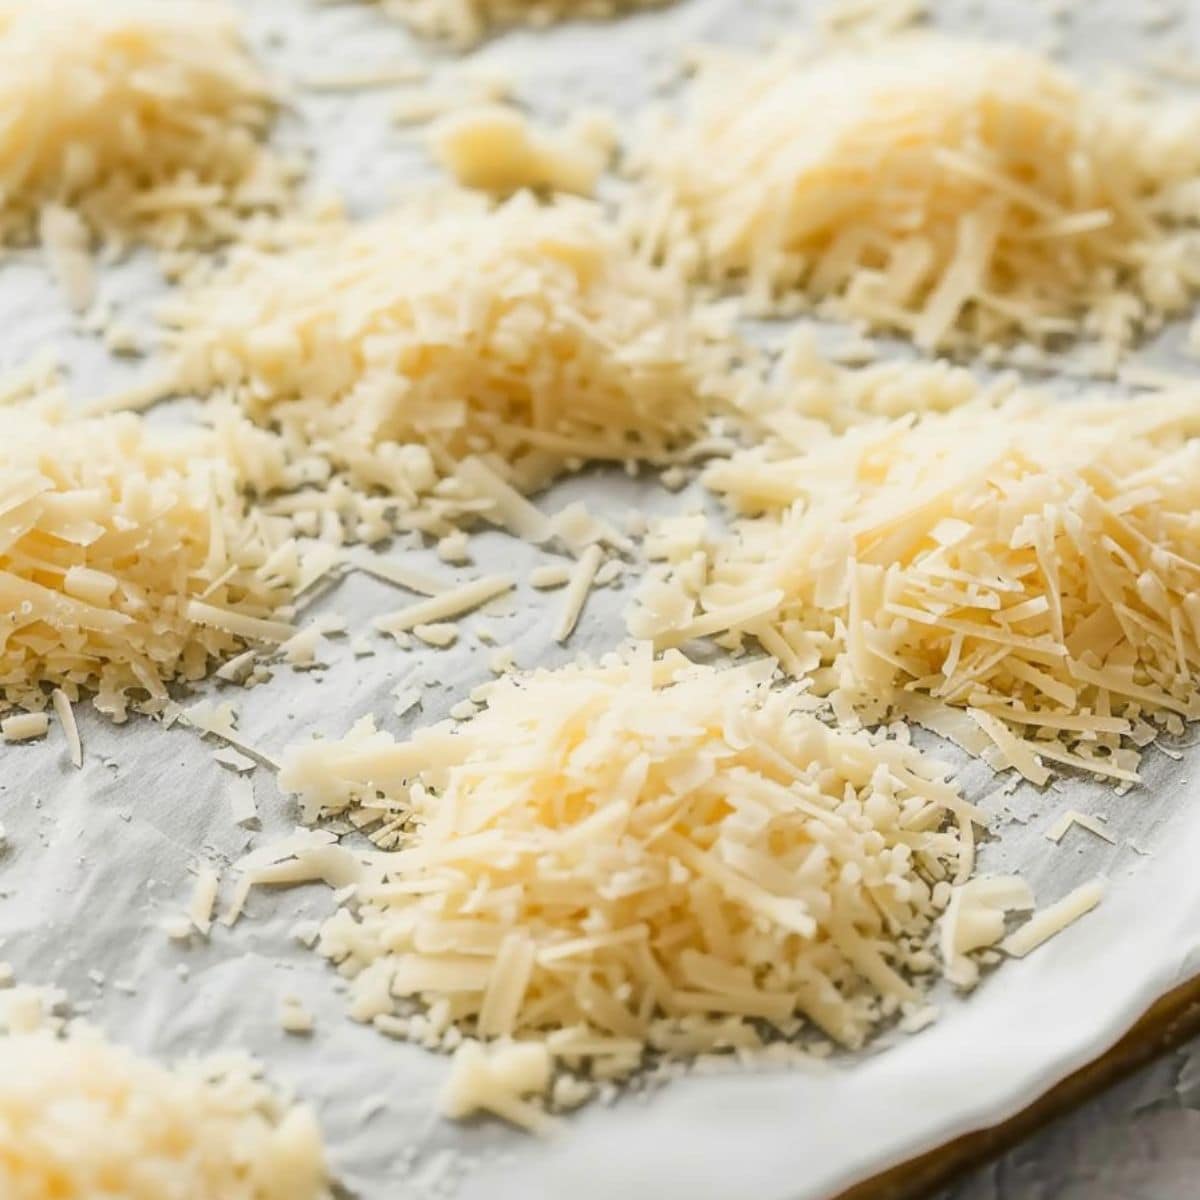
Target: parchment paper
{"type": "Point", "coordinates": [97, 858]}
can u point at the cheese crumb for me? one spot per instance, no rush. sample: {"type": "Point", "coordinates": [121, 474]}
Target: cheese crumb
{"type": "Point", "coordinates": [499, 1080]}
{"type": "Point", "coordinates": [25, 727]}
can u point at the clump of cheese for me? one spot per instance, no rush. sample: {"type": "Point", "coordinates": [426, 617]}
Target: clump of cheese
{"type": "Point", "coordinates": [80, 1117]}
{"type": "Point", "coordinates": [638, 855]}
{"type": "Point", "coordinates": [495, 148]}
{"type": "Point", "coordinates": [144, 115]}
{"type": "Point", "coordinates": [392, 350]}
{"type": "Point", "coordinates": [960, 192]}
{"type": "Point", "coordinates": [127, 559]}
{"type": "Point", "coordinates": [1035, 564]}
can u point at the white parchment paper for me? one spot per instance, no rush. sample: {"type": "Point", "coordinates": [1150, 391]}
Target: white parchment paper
{"type": "Point", "coordinates": [97, 858]}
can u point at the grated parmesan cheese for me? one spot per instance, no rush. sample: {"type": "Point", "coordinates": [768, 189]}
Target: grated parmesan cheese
{"type": "Point", "coordinates": [1034, 564]}
{"type": "Point", "coordinates": [82, 1117]}
{"type": "Point", "coordinates": [638, 854]}
{"type": "Point", "coordinates": [110, 535]}
{"type": "Point", "coordinates": [452, 355]}
{"type": "Point", "coordinates": [145, 117]}
{"type": "Point", "coordinates": [499, 1079]}
{"type": "Point", "coordinates": [961, 193]}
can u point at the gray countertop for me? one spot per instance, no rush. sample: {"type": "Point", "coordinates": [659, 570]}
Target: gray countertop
{"type": "Point", "coordinates": [1138, 1141]}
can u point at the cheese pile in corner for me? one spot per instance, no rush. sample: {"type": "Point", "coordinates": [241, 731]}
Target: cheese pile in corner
{"type": "Point", "coordinates": [644, 854]}
{"type": "Point", "coordinates": [127, 560]}
{"type": "Point", "coordinates": [1036, 565]}
{"type": "Point", "coordinates": [391, 351]}
{"type": "Point", "coordinates": [962, 193]}
{"type": "Point", "coordinates": [144, 116]}
{"type": "Point", "coordinates": [81, 1117]}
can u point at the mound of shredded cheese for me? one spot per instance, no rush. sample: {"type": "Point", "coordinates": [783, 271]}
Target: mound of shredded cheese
{"type": "Point", "coordinates": [1033, 563]}
{"type": "Point", "coordinates": [393, 350]}
{"type": "Point", "coordinates": [960, 192]}
{"type": "Point", "coordinates": [127, 560]}
{"type": "Point", "coordinates": [144, 115]}
{"type": "Point", "coordinates": [463, 23]}
{"type": "Point", "coordinates": [80, 1117]}
{"type": "Point", "coordinates": [643, 855]}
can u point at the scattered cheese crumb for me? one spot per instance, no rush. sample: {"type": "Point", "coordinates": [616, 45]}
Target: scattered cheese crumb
{"type": "Point", "coordinates": [454, 548]}
{"type": "Point", "coordinates": [25, 727]}
{"type": "Point", "coordinates": [1093, 825]}
{"type": "Point", "coordinates": [441, 635]}
{"type": "Point", "coordinates": [502, 660]}
{"type": "Point", "coordinates": [1053, 920]}
{"type": "Point", "coordinates": [294, 1018]}
{"type": "Point", "coordinates": [553, 575]}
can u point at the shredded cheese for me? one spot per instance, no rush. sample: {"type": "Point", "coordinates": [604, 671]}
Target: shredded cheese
{"type": "Point", "coordinates": [109, 536]}
{"type": "Point", "coordinates": [960, 192]}
{"type": "Point", "coordinates": [1032, 563]}
{"type": "Point", "coordinates": [638, 854]}
{"type": "Point", "coordinates": [143, 116]}
{"type": "Point", "coordinates": [452, 354]}
{"type": "Point", "coordinates": [499, 1080]}
{"type": "Point", "coordinates": [1093, 825]}
{"type": "Point", "coordinates": [80, 1117]}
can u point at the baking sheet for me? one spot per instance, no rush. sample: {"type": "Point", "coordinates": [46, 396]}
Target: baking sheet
{"type": "Point", "coordinates": [98, 858]}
